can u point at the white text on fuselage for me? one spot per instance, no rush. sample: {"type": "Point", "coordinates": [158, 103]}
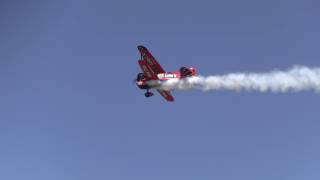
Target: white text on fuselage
{"type": "Point", "coordinates": [168, 76]}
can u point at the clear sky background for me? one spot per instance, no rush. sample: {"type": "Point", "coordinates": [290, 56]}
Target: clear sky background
{"type": "Point", "coordinates": [69, 109]}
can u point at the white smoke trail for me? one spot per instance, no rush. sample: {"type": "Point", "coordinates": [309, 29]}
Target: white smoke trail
{"type": "Point", "coordinates": [298, 78]}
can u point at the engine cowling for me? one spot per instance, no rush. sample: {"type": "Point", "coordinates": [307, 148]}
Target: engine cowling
{"type": "Point", "coordinates": [140, 77]}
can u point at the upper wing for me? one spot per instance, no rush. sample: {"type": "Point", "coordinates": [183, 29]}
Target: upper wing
{"type": "Point", "coordinates": [166, 94]}
{"type": "Point", "coordinates": [148, 64]}
{"type": "Point", "coordinates": [147, 70]}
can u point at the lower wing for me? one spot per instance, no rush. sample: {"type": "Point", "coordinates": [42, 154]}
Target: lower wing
{"type": "Point", "coordinates": [166, 94]}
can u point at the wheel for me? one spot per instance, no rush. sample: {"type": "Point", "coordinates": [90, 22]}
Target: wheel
{"type": "Point", "coordinates": [148, 94]}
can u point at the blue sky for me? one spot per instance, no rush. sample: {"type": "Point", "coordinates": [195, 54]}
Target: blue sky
{"type": "Point", "coordinates": [69, 109]}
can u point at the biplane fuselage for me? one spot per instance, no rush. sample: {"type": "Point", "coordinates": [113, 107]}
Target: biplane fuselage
{"type": "Point", "coordinates": [144, 83]}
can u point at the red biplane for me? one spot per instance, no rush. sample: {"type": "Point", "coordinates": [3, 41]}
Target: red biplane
{"type": "Point", "coordinates": [152, 71]}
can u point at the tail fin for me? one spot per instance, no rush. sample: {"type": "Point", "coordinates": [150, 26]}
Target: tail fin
{"type": "Point", "coordinates": [187, 72]}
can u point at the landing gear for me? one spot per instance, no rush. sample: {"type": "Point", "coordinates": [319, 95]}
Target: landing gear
{"type": "Point", "coordinates": [148, 94]}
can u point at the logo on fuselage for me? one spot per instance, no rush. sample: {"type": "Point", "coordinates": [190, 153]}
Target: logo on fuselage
{"type": "Point", "coordinates": [166, 75]}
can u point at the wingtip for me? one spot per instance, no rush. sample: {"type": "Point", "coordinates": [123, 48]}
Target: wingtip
{"type": "Point", "coordinates": [140, 47]}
